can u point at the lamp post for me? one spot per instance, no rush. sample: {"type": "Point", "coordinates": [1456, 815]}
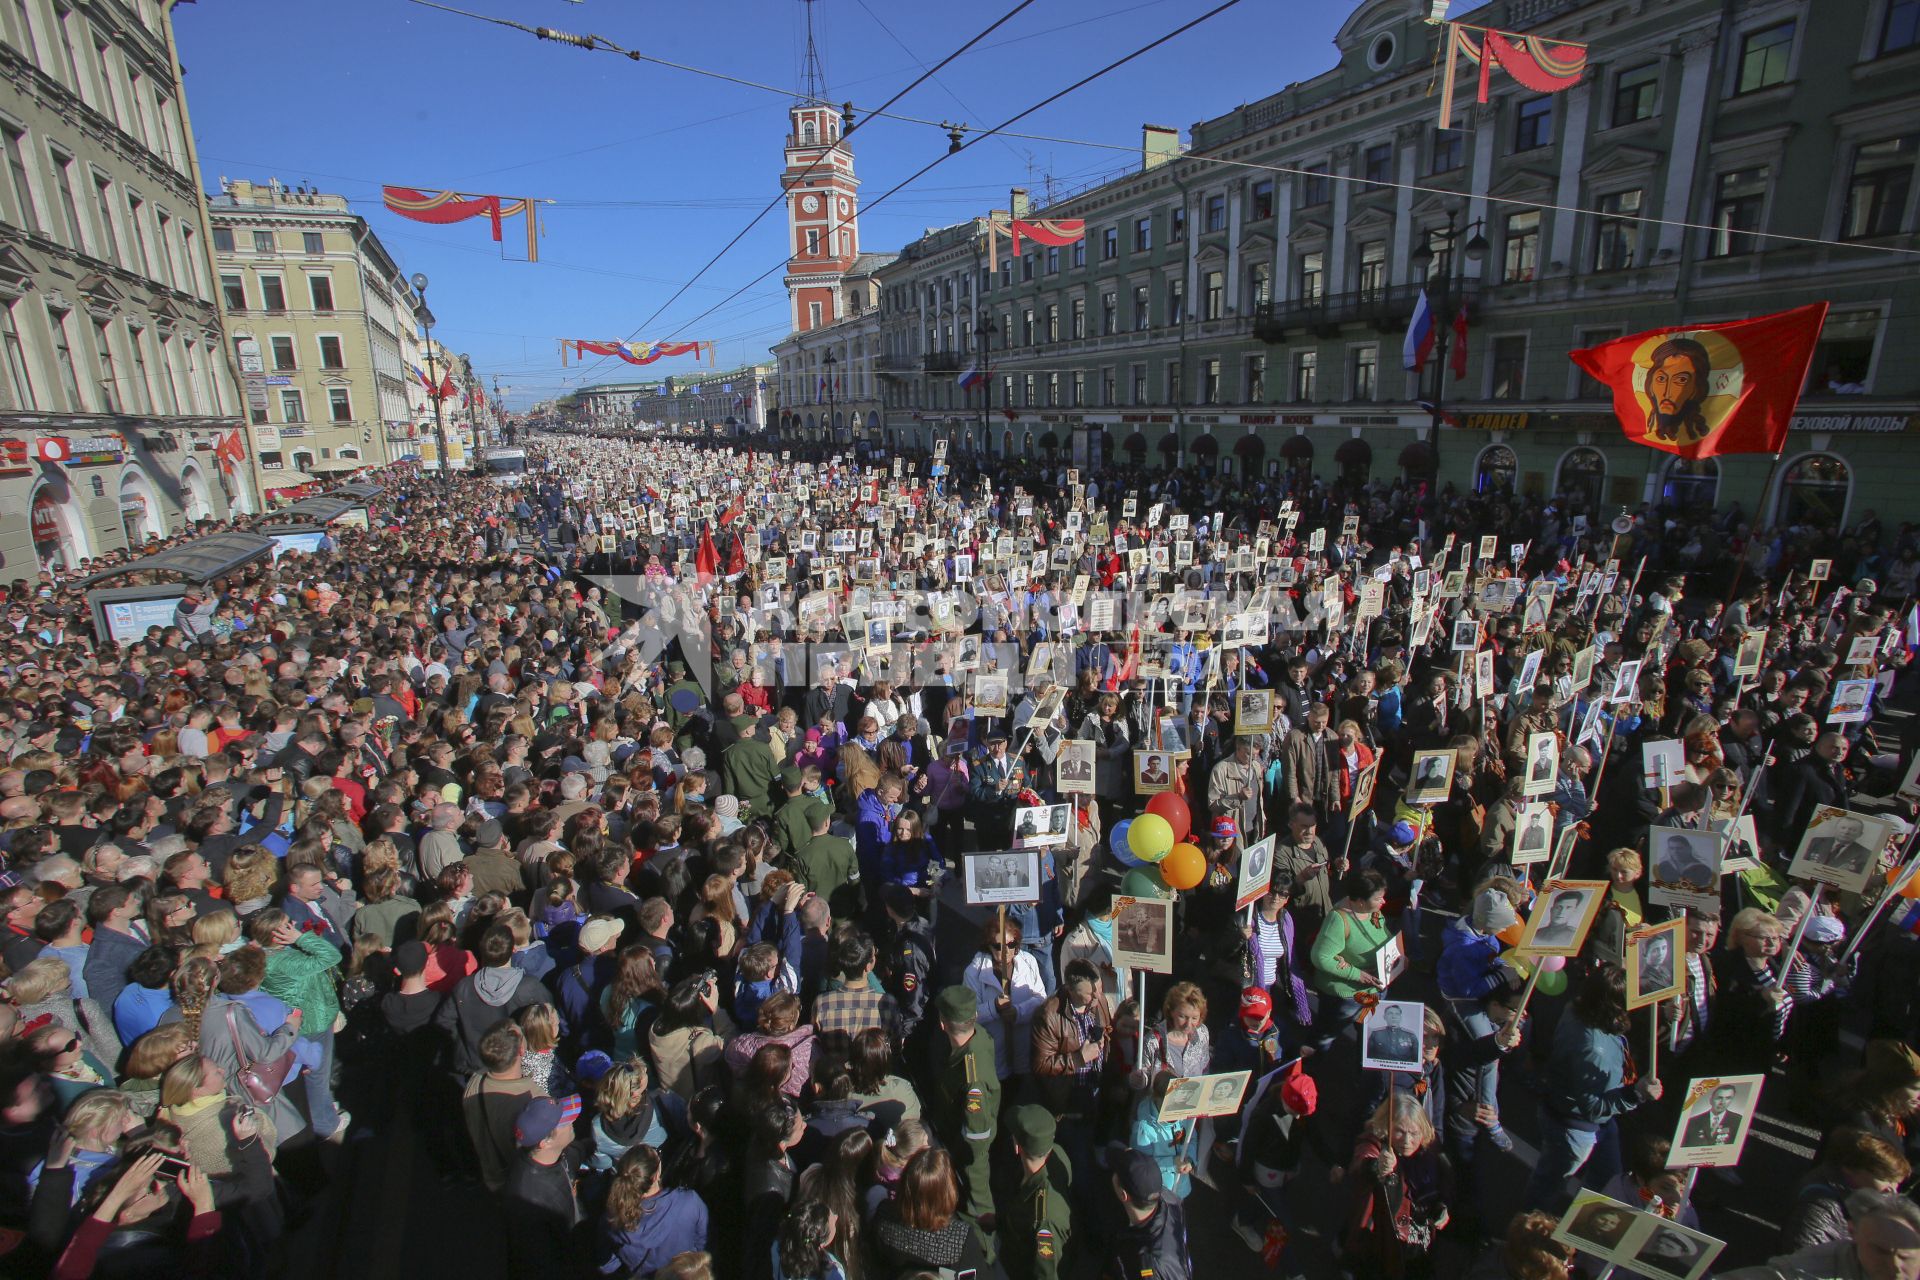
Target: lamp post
{"type": "Point", "coordinates": [983, 331]}
{"type": "Point", "coordinates": [1444, 264]}
{"type": "Point", "coordinates": [433, 377]}
{"type": "Point", "coordinates": [833, 428]}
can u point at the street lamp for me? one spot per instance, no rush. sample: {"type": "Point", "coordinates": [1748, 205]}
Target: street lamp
{"type": "Point", "coordinates": [433, 378]}
{"type": "Point", "coordinates": [983, 332]}
{"type": "Point", "coordinates": [1443, 264]}
{"type": "Point", "coordinates": [828, 361]}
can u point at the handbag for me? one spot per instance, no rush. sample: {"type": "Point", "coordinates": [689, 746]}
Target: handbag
{"type": "Point", "coordinates": [260, 1081]}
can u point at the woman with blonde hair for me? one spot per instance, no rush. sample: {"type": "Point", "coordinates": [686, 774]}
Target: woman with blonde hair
{"type": "Point", "coordinates": [94, 1126]}
{"type": "Point", "coordinates": [194, 1100]}
{"type": "Point", "coordinates": [226, 1031]}
{"type": "Point", "coordinates": [249, 879]}
{"type": "Point", "coordinates": [218, 929]}
{"type": "Point", "coordinates": [1401, 1183]}
{"type": "Point", "coordinates": [1748, 1029]}
{"type": "Point", "coordinates": [149, 1059]}
{"type": "Point", "coordinates": [45, 987]}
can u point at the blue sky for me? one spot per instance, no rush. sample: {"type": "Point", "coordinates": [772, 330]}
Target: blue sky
{"type": "Point", "coordinates": [655, 169]}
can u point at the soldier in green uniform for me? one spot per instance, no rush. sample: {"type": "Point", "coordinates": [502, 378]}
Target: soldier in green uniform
{"type": "Point", "coordinates": [966, 1094]}
{"type": "Point", "coordinates": [827, 863]}
{"type": "Point", "coordinates": [1038, 1227]}
{"type": "Point", "coordinates": [791, 826]}
{"type": "Point", "coordinates": [680, 699]}
{"type": "Point", "coordinates": [748, 770]}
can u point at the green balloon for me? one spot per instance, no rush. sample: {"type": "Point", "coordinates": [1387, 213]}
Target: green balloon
{"type": "Point", "coordinates": [1144, 882]}
{"type": "Point", "coordinates": [1553, 982]}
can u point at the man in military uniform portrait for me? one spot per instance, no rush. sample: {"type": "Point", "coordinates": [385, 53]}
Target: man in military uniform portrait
{"type": "Point", "coordinates": [1718, 1125]}
{"type": "Point", "coordinates": [1391, 1041]}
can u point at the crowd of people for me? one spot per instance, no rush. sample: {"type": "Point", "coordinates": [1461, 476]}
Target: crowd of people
{"type": "Point", "coordinates": [671, 840]}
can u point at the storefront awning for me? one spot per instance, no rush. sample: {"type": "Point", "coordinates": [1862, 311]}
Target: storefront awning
{"type": "Point", "coordinates": [1353, 453]}
{"type": "Point", "coordinates": [1170, 443]}
{"type": "Point", "coordinates": [1135, 443]}
{"type": "Point", "coordinates": [1206, 446]}
{"type": "Point", "coordinates": [200, 560]}
{"type": "Point", "coordinates": [286, 479]}
{"type": "Point", "coordinates": [1250, 447]}
{"type": "Point", "coordinates": [1417, 458]}
{"type": "Point", "coordinates": [1297, 448]}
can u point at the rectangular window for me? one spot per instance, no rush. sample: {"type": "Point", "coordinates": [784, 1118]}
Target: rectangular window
{"type": "Point", "coordinates": [1053, 391]}
{"type": "Point", "coordinates": [109, 99]}
{"type": "Point", "coordinates": [1026, 265]}
{"type": "Point", "coordinates": [1053, 260]}
{"type": "Point", "coordinates": [1901, 27]}
{"type": "Point", "coordinates": [1142, 234]}
{"type": "Point", "coordinates": [135, 219]}
{"type": "Point", "coordinates": [1376, 163]}
{"type": "Point", "coordinates": [1314, 188]}
{"type": "Point", "coordinates": [1078, 390]}
{"type": "Point", "coordinates": [1176, 301]}
{"type": "Point", "coordinates": [223, 239]}
{"type": "Point", "coordinates": [1214, 295]}
{"type": "Point", "coordinates": [1263, 196]}
{"type": "Point", "coordinates": [1372, 277]}
{"type": "Point", "coordinates": [63, 361]}
{"type": "Point", "coordinates": [19, 32]}
{"type": "Point", "coordinates": [1522, 252]}
{"type": "Point", "coordinates": [813, 241]}
{"type": "Point", "coordinates": [1260, 284]}
{"type": "Point", "coordinates": [1592, 388]}
{"type": "Point", "coordinates": [1053, 322]}
{"type": "Point", "coordinates": [270, 459]}
{"type": "Point", "coordinates": [1216, 213]}
{"type": "Point", "coordinates": [1634, 93]}
{"type": "Point", "coordinates": [1006, 271]}
{"type": "Point", "coordinates": [233, 291]}
{"type": "Point", "coordinates": [103, 205]}
{"type": "Point", "coordinates": [1109, 244]}
{"type": "Point", "coordinates": [1843, 358]}
{"type": "Point", "coordinates": [1080, 252]}
{"type": "Point", "coordinates": [1139, 384]}
{"type": "Point", "coordinates": [109, 375]}
{"type": "Point", "coordinates": [1027, 391]}
{"type": "Point", "coordinates": [1109, 314]}
{"type": "Point", "coordinates": [19, 380]}
{"type": "Point", "coordinates": [1256, 380]}
{"type": "Point", "coordinates": [1141, 317]}
{"type": "Point", "coordinates": [1449, 150]}
{"type": "Point", "coordinates": [1176, 391]}
{"type": "Point", "coordinates": [339, 404]}
{"type": "Point", "coordinates": [273, 295]}
{"type": "Point", "coordinates": [283, 355]}
{"type": "Point", "coordinates": [313, 242]}
{"type": "Point", "coordinates": [1509, 366]}
{"type": "Point", "coordinates": [1079, 320]}
{"type": "Point", "coordinates": [1764, 55]}
{"type": "Point", "coordinates": [1533, 124]}
{"type": "Point", "coordinates": [330, 354]}
{"type": "Point", "coordinates": [1739, 195]}
{"type": "Point", "coordinates": [1210, 381]}
{"type": "Point", "coordinates": [1306, 375]}
{"type": "Point", "coordinates": [20, 197]}
{"type": "Point", "coordinates": [1365, 371]}
{"type": "Point", "coordinates": [1176, 224]}
{"type": "Point", "coordinates": [320, 291]}
{"type": "Point", "coordinates": [137, 343]}
{"type": "Point", "coordinates": [263, 242]}
{"type": "Point", "coordinates": [1026, 327]}
{"type": "Point", "coordinates": [1106, 387]}
{"type": "Point", "coordinates": [292, 407]}
{"type": "Point", "coordinates": [1877, 191]}
{"type": "Point", "coordinates": [1309, 275]}
{"type": "Point", "coordinates": [1616, 238]}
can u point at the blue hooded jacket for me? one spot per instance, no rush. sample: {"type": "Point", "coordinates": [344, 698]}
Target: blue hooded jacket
{"type": "Point", "coordinates": [673, 1222]}
{"type": "Point", "coordinates": [1470, 966]}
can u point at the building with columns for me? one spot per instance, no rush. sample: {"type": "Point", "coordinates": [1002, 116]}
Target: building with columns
{"type": "Point", "coordinates": [118, 406]}
{"type": "Point", "coordinates": [727, 401]}
{"type": "Point", "coordinates": [1239, 301]}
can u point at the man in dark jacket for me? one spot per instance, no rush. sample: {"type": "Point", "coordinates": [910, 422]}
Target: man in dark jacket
{"type": "Point", "coordinates": [495, 991]}
{"type": "Point", "coordinates": [1151, 1243]}
{"type": "Point", "coordinates": [543, 1209]}
{"type": "Point", "coordinates": [578, 987]}
{"type": "Point", "coordinates": [114, 913]}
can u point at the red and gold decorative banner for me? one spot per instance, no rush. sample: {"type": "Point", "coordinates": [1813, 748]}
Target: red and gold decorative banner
{"type": "Point", "coordinates": [1544, 66]}
{"type": "Point", "coordinates": [443, 207]}
{"type": "Point", "coordinates": [633, 352]}
{"type": "Point", "coordinates": [1052, 232]}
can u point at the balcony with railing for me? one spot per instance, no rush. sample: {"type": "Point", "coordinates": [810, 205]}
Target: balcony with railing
{"type": "Point", "coordinates": [945, 361]}
{"type": "Point", "coordinates": [1385, 310]}
{"type": "Point", "coordinates": [896, 365]}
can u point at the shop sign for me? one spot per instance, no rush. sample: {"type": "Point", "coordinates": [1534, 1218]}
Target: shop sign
{"type": "Point", "coordinates": [96, 451]}
{"type": "Point", "coordinates": [46, 524]}
{"type": "Point", "coordinates": [1495, 421]}
{"type": "Point", "coordinates": [1367, 420]}
{"type": "Point", "coordinates": [1210, 419]}
{"type": "Point", "coordinates": [278, 380]}
{"type": "Point", "coordinates": [250, 358]}
{"type": "Point", "coordinates": [15, 459]}
{"type": "Point", "coordinates": [1855, 423]}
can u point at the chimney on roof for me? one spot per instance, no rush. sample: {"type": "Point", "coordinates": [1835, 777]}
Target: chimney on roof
{"type": "Point", "coordinates": [1017, 198]}
{"type": "Point", "coordinates": [1158, 144]}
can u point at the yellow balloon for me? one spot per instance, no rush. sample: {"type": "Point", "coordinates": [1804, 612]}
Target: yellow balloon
{"type": "Point", "coordinates": [1150, 837]}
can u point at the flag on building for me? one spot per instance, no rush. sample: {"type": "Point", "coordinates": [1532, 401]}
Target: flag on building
{"type": "Point", "coordinates": [1420, 334]}
{"type": "Point", "coordinates": [972, 377]}
{"type": "Point", "coordinates": [1457, 358]}
{"type": "Point", "coordinates": [1705, 390]}
{"type": "Point", "coordinates": [1052, 232]}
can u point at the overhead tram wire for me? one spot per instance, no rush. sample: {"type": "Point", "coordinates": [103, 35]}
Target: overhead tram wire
{"type": "Point", "coordinates": [981, 135]}
{"type": "Point", "coordinates": [592, 42]}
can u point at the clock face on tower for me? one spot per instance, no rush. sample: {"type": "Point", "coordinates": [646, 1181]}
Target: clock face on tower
{"type": "Point", "coordinates": [810, 203]}
{"type": "Point", "coordinates": [846, 207]}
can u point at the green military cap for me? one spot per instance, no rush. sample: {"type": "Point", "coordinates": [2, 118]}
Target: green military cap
{"type": "Point", "coordinates": [957, 1004]}
{"type": "Point", "coordinates": [1033, 1128]}
{"type": "Point", "coordinates": [790, 778]}
{"type": "Point", "coordinates": [677, 669]}
{"type": "Point", "coordinates": [817, 812]}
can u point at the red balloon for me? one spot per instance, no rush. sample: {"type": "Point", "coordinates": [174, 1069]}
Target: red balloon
{"type": "Point", "coordinates": [1170, 806]}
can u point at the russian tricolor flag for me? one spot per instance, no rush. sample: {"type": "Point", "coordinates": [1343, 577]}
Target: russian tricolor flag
{"type": "Point", "coordinates": [972, 377]}
{"type": "Point", "coordinates": [1420, 336]}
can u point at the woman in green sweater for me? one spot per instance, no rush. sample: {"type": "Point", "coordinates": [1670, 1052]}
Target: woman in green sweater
{"type": "Point", "coordinates": [1343, 954]}
{"type": "Point", "coordinates": [302, 971]}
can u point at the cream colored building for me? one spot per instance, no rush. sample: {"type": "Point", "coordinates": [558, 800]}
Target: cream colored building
{"type": "Point", "coordinates": [321, 318]}
{"type": "Point", "coordinates": [115, 389]}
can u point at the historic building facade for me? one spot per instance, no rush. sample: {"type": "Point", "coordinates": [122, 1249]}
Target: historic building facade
{"type": "Point", "coordinates": [118, 406]}
{"type": "Point", "coordinates": [1240, 302]}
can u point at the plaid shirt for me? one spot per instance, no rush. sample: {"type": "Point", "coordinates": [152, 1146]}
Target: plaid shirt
{"type": "Point", "coordinates": [852, 1010]}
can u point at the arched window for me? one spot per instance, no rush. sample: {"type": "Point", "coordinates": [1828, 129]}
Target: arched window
{"type": "Point", "coordinates": [1495, 470]}
{"type": "Point", "coordinates": [1814, 490]}
{"type": "Point", "coordinates": [140, 516]}
{"type": "Point", "coordinates": [1583, 477]}
{"type": "Point", "coordinates": [1354, 457]}
{"type": "Point", "coordinates": [807, 134]}
{"type": "Point", "coordinates": [1692, 484]}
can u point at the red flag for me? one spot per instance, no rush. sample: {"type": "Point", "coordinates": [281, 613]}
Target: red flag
{"type": "Point", "coordinates": [707, 558]}
{"type": "Point", "coordinates": [732, 513]}
{"type": "Point", "coordinates": [736, 557]}
{"type": "Point", "coordinates": [1710, 389]}
{"type": "Point", "coordinates": [1457, 358]}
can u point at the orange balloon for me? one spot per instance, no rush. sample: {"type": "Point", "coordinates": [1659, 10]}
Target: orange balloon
{"type": "Point", "coordinates": [1183, 867]}
{"type": "Point", "coordinates": [1911, 889]}
{"type": "Point", "coordinates": [1512, 933]}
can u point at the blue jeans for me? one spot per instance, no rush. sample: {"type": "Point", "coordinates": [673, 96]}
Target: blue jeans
{"type": "Point", "coordinates": [1566, 1151]}
{"type": "Point", "coordinates": [321, 1111]}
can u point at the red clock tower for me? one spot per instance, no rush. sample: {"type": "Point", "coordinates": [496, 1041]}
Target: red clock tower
{"type": "Point", "coordinates": [823, 196]}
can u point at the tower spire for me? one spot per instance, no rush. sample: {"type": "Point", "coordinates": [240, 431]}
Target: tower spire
{"type": "Point", "coordinates": [813, 77]}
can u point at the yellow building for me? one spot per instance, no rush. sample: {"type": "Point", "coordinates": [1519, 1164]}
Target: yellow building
{"type": "Point", "coordinates": [321, 318]}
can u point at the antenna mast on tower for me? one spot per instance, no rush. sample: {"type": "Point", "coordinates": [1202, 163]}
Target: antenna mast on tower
{"type": "Point", "coordinates": [813, 77]}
